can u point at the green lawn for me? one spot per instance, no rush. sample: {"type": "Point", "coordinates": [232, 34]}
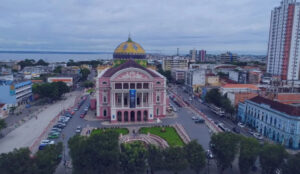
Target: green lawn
{"type": "Point", "coordinates": [123, 131]}
{"type": "Point", "coordinates": [170, 135]}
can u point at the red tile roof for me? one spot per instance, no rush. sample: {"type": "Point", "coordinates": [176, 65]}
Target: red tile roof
{"type": "Point", "coordinates": [250, 86]}
{"type": "Point", "coordinates": [288, 109]}
{"type": "Point", "coordinates": [129, 64]}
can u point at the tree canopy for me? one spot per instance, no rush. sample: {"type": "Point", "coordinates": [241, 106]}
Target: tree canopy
{"type": "Point", "coordinates": [272, 157]}
{"type": "Point", "coordinates": [215, 97]}
{"type": "Point", "coordinates": [175, 159]}
{"type": "Point", "coordinates": [249, 151]}
{"type": "Point", "coordinates": [224, 146]}
{"type": "Point", "coordinates": [32, 62]}
{"type": "Point", "coordinates": [84, 73]}
{"type": "Point", "coordinates": [19, 161]}
{"type": "Point", "coordinates": [52, 90]}
{"type": "Point", "coordinates": [98, 153]}
{"type": "Point", "coordinates": [292, 166]}
{"type": "Point", "coordinates": [2, 124]}
{"type": "Point", "coordinates": [195, 156]}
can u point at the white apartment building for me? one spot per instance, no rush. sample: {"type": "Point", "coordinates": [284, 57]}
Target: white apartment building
{"type": "Point", "coordinates": [284, 36]}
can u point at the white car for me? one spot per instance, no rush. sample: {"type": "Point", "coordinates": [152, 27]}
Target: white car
{"type": "Point", "coordinates": [78, 129]}
{"type": "Point", "coordinates": [241, 125]}
{"type": "Point", "coordinates": [194, 118]}
{"type": "Point", "coordinates": [47, 142]}
{"type": "Point", "coordinates": [258, 136]}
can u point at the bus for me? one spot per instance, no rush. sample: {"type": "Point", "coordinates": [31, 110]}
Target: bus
{"type": "Point", "coordinates": [217, 110]}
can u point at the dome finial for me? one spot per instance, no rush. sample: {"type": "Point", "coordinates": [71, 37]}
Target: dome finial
{"type": "Point", "coordinates": [129, 38]}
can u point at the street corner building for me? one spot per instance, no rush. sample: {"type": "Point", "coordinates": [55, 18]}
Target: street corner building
{"type": "Point", "coordinates": [129, 91]}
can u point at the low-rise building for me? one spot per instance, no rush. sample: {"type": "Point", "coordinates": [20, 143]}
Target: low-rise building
{"type": "Point", "coordinates": [175, 63]}
{"type": "Point", "coordinates": [275, 121]}
{"type": "Point", "coordinates": [212, 80]}
{"type": "Point", "coordinates": [239, 88]}
{"type": "Point", "coordinates": [195, 79]}
{"type": "Point", "coordinates": [67, 80]}
{"type": "Point", "coordinates": [237, 97]}
{"type": "Point", "coordinates": [15, 93]}
{"type": "Point", "coordinates": [178, 75]}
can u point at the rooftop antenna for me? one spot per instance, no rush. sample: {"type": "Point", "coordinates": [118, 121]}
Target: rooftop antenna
{"type": "Point", "coordinates": [129, 37]}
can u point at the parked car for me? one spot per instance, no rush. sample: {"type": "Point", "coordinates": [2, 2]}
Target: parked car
{"type": "Point", "coordinates": [75, 109]}
{"type": "Point", "coordinates": [56, 129]}
{"type": "Point", "coordinates": [258, 136]}
{"type": "Point", "coordinates": [209, 154]}
{"type": "Point", "coordinates": [241, 125]}
{"type": "Point", "coordinates": [236, 130]}
{"type": "Point", "coordinates": [53, 136]}
{"type": "Point", "coordinates": [199, 120]}
{"type": "Point", "coordinates": [194, 118]}
{"type": "Point", "coordinates": [78, 129]}
{"type": "Point", "coordinates": [59, 126]}
{"type": "Point", "coordinates": [42, 146]}
{"type": "Point", "coordinates": [82, 115]}
{"type": "Point", "coordinates": [61, 123]}
{"type": "Point", "coordinates": [73, 112]}
{"type": "Point", "coordinates": [47, 142]}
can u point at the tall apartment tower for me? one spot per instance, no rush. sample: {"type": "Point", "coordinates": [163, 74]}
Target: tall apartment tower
{"type": "Point", "coordinates": [193, 54]}
{"type": "Point", "coordinates": [283, 49]}
{"type": "Point", "coordinates": [202, 55]}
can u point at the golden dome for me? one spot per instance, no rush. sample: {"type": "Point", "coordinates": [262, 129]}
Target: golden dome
{"type": "Point", "coordinates": [129, 50]}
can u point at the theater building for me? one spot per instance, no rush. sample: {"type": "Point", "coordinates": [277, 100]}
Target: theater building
{"type": "Point", "coordinates": [129, 91]}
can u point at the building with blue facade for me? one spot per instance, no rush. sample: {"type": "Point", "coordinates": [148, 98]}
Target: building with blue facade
{"type": "Point", "coordinates": [15, 93]}
{"type": "Point", "coordinates": [276, 121]}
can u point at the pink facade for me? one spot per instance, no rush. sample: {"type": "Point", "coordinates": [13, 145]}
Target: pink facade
{"type": "Point", "coordinates": [131, 93]}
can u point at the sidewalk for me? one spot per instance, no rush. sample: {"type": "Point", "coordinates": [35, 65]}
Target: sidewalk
{"type": "Point", "coordinates": [27, 133]}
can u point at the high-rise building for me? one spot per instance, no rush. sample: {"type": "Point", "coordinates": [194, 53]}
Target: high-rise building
{"type": "Point", "coordinates": [283, 49]}
{"type": "Point", "coordinates": [193, 54]}
{"type": "Point", "coordinates": [202, 55]}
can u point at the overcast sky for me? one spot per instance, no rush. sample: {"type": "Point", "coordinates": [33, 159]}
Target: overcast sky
{"type": "Point", "coordinates": [158, 25]}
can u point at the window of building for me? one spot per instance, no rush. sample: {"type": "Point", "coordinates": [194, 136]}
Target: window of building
{"type": "Point", "coordinates": [157, 111]}
{"type": "Point", "coordinates": [132, 85]}
{"type": "Point", "coordinates": [138, 86]}
{"type": "Point", "coordinates": [157, 98]}
{"type": "Point", "coordinates": [158, 82]}
{"type": "Point", "coordinates": [125, 99]}
{"type": "Point", "coordinates": [125, 86]}
{"type": "Point", "coordinates": [118, 86]}
{"type": "Point", "coordinates": [146, 85]}
{"type": "Point", "coordinates": [104, 99]}
{"type": "Point", "coordinates": [104, 113]}
{"type": "Point", "coordinates": [104, 83]}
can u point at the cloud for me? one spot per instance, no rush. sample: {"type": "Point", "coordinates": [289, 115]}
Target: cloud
{"type": "Point", "coordinates": [93, 25]}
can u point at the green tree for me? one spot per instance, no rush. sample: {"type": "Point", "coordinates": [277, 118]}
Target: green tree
{"type": "Point", "coordinates": [41, 62]}
{"type": "Point", "coordinates": [16, 162]}
{"type": "Point", "coordinates": [175, 160]}
{"type": "Point", "coordinates": [224, 146]}
{"type": "Point", "coordinates": [155, 158]}
{"type": "Point", "coordinates": [26, 62]}
{"type": "Point", "coordinates": [57, 70]}
{"type": "Point", "coordinates": [213, 96]}
{"type": "Point", "coordinates": [84, 73]}
{"type": "Point", "coordinates": [2, 124]}
{"type": "Point", "coordinates": [133, 158]}
{"type": "Point", "coordinates": [47, 160]}
{"type": "Point", "coordinates": [249, 151]}
{"type": "Point", "coordinates": [88, 84]}
{"type": "Point", "coordinates": [292, 166]}
{"type": "Point", "coordinates": [52, 91]}
{"type": "Point", "coordinates": [98, 153]}
{"type": "Point", "coordinates": [195, 156]}
{"type": "Point", "coordinates": [271, 158]}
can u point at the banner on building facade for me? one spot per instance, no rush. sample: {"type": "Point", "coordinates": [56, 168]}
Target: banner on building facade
{"type": "Point", "coordinates": [132, 94]}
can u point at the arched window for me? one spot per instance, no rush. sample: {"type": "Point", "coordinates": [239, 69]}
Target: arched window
{"type": "Point", "coordinates": [157, 98]}
{"type": "Point", "coordinates": [157, 111]}
{"type": "Point", "coordinates": [104, 113]}
{"type": "Point", "coordinates": [104, 99]}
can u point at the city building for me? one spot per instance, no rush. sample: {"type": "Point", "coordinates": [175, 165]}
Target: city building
{"type": "Point", "coordinates": [239, 88]}
{"type": "Point", "coordinates": [175, 63]}
{"type": "Point", "coordinates": [193, 54]}
{"type": "Point", "coordinates": [195, 79]}
{"type": "Point", "coordinates": [178, 75]}
{"type": "Point", "coordinates": [283, 50]}
{"type": "Point", "coordinates": [212, 80]}
{"type": "Point", "coordinates": [129, 91]}
{"type": "Point", "coordinates": [239, 76]}
{"type": "Point", "coordinates": [201, 56]}
{"type": "Point", "coordinates": [15, 93]}
{"type": "Point", "coordinates": [67, 80]}
{"type": "Point", "coordinates": [254, 77]}
{"type": "Point", "coordinates": [239, 97]}
{"type": "Point", "coordinates": [228, 57]}
{"type": "Point", "coordinates": [275, 121]}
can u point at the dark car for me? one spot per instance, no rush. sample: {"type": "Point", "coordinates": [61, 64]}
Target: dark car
{"type": "Point", "coordinates": [199, 120]}
{"type": "Point", "coordinates": [59, 126]}
{"type": "Point", "coordinates": [236, 130]}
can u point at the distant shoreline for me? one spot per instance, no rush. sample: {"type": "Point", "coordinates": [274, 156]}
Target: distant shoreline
{"type": "Point", "coordinates": [53, 52]}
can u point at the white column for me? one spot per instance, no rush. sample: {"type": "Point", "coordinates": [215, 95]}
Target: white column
{"type": "Point", "coordinates": [142, 99]}
{"type": "Point", "coordinates": [122, 99]}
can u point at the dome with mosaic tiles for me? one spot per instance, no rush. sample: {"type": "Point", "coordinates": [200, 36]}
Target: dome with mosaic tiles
{"type": "Point", "coordinates": [129, 50]}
